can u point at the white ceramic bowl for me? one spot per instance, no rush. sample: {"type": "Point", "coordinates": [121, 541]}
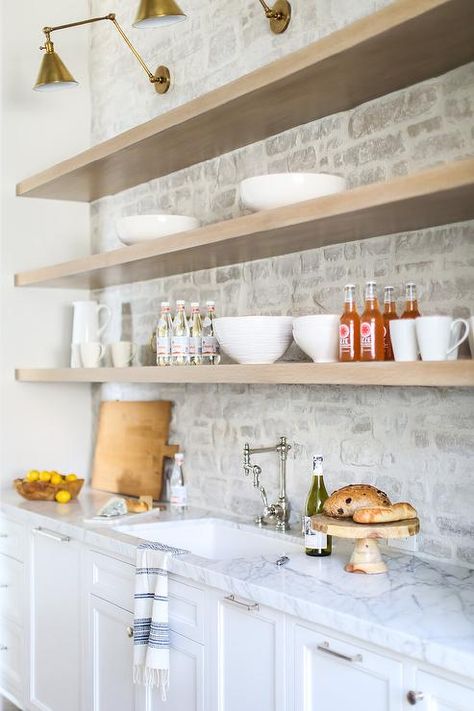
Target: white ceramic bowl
{"type": "Point", "coordinates": [141, 228]}
{"type": "Point", "coordinates": [267, 191]}
{"type": "Point", "coordinates": [318, 336]}
{"type": "Point", "coordinates": [254, 339]}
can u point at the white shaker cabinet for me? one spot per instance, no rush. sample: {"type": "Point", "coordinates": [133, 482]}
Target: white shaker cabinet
{"type": "Point", "coordinates": [187, 690]}
{"type": "Point", "coordinates": [55, 623]}
{"type": "Point", "coordinates": [431, 692]}
{"type": "Point", "coordinates": [250, 656]}
{"type": "Point", "coordinates": [330, 675]}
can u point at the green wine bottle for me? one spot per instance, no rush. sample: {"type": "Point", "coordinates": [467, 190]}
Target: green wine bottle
{"type": "Point", "coordinates": [316, 543]}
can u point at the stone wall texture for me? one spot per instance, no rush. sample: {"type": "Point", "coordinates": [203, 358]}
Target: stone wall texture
{"type": "Point", "coordinates": [416, 443]}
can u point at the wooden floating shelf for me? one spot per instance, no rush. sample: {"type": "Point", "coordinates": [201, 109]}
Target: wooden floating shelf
{"type": "Point", "coordinates": [437, 196]}
{"type": "Point", "coordinates": [447, 373]}
{"type": "Point", "coordinates": [405, 43]}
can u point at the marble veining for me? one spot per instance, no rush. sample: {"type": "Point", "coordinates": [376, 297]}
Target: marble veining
{"type": "Point", "coordinates": [421, 609]}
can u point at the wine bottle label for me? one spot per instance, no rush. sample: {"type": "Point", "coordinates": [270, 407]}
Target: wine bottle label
{"type": "Point", "coordinates": [163, 345]}
{"type": "Point", "coordinates": [180, 345]}
{"type": "Point", "coordinates": [210, 346]}
{"type": "Point", "coordinates": [367, 335]}
{"type": "Point", "coordinates": [313, 539]}
{"type": "Point", "coordinates": [195, 346]}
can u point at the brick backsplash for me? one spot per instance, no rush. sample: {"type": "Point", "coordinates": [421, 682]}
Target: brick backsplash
{"type": "Point", "coordinates": [416, 443]}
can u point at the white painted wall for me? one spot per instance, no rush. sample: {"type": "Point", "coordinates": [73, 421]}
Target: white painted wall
{"type": "Point", "coordinates": [45, 426]}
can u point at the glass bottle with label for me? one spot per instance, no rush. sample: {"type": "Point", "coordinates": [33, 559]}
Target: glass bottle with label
{"type": "Point", "coordinates": [371, 326]}
{"type": "Point", "coordinates": [178, 497]}
{"type": "Point", "coordinates": [316, 543]}
{"type": "Point", "coordinates": [195, 335]}
{"type": "Point", "coordinates": [389, 314]}
{"type": "Point", "coordinates": [411, 302]}
{"type": "Point", "coordinates": [163, 335]}
{"type": "Point", "coordinates": [349, 328]}
{"type": "Point", "coordinates": [180, 337]}
{"type": "Point", "coordinates": [210, 346]}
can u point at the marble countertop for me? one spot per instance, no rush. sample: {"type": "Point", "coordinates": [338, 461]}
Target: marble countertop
{"type": "Point", "coordinates": [420, 609]}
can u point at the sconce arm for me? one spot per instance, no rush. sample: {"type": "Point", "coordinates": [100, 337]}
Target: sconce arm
{"type": "Point", "coordinates": [268, 10]}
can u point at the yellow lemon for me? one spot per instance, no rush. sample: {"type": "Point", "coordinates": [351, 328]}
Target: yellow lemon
{"type": "Point", "coordinates": [62, 497]}
{"type": "Point", "coordinates": [56, 478]}
{"type": "Point", "coordinates": [70, 477]}
{"type": "Point", "coordinates": [32, 475]}
{"type": "Point", "coordinates": [44, 476]}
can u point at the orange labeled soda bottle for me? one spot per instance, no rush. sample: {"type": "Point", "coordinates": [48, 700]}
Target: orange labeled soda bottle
{"type": "Point", "coordinates": [389, 313]}
{"type": "Point", "coordinates": [411, 302]}
{"type": "Point", "coordinates": [349, 328]}
{"type": "Point", "coordinates": [371, 326]}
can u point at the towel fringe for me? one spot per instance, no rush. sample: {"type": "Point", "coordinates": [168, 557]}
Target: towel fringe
{"type": "Point", "coordinates": [148, 676]}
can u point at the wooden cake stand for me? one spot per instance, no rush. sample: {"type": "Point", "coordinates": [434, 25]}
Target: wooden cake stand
{"type": "Point", "coordinates": [366, 557]}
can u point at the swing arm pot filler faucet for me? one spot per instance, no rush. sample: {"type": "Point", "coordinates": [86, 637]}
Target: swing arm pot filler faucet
{"type": "Point", "coordinates": [277, 514]}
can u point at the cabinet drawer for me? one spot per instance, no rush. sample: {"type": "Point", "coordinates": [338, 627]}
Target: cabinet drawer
{"type": "Point", "coordinates": [186, 609]}
{"type": "Point", "coordinates": [11, 589]}
{"type": "Point", "coordinates": [12, 538]}
{"type": "Point", "coordinates": [111, 579]}
{"type": "Point", "coordinates": [11, 659]}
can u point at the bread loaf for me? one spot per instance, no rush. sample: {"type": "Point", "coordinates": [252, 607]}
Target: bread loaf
{"type": "Point", "coordinates": [134, 506]}
{"type": "Point", "coordinates": [344, 502]}
{"type": "Point", "coordinates": [385, 514]}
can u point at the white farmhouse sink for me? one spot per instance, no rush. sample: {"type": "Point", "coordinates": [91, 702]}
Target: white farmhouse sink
{"type": "Point", "coordinates": [215, 538]}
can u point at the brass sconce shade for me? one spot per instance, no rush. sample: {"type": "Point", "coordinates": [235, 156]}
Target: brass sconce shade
{"type": "Point", "coordinates": [279, 15]}
{"type": "Point", "coordinates": [154, 13]}
{"type": "Point", "coordinates": [53, 73]}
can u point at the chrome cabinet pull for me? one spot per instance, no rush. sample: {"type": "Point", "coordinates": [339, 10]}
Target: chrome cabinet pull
{"type": "Point", "coordinates": [129, 631]}
{"type": "Point", "coordinates": [3, 535]}
{"type": "Point", "coordinates": [413, 697]}
{"type": "Point", "coordinates": [3, 586]}
{"type": "Point", "coordinates": [3, 648]}
{"type": "Point", "coordinates": [51, 534]}
{"type": "Point", "coordinates": [324, 647]}
{"type": "Point", "coordinates": [251, 607]}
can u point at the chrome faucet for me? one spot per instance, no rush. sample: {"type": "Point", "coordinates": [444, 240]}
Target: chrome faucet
{"type": "Point", "coordinates": [278, 513]}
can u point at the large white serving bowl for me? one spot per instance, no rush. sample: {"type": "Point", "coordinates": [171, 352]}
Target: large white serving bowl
{"type": "Point", "coordinates": [254, 339]}
{"type": "Point", "coordinates": [141, 228]}
{"type": "Point", "coordinates": [278, 189]}
{"type": "Point", "coordinates": [318, 336]}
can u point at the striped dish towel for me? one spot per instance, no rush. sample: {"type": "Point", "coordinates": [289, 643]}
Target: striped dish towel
{"type": "Point", "coordinates": [151, 656]}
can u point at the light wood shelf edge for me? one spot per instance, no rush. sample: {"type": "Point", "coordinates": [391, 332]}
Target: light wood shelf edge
{"type": "Point", "coordinates": [435, 196]}
{"type": "Point", "coordinates": [393, 48]}
{"type": "Point", "coordinates": [418, 374]}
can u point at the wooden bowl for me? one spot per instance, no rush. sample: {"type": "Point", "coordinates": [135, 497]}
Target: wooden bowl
{"type": "Point", "coordinates": [45, 491]}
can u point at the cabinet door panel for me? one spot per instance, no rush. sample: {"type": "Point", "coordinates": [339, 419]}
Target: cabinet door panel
{"type": "Point", "coordinates": [187, 687]}
{"type": "Point", "coordinates": [55, 664]}
{"type": "Point", "coordinates": [442, 695]}
{"type": "Point", "coordinates": [331, 675]}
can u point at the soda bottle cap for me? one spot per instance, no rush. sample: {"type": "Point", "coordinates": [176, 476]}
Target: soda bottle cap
{"type": "Point", "coordinates": [210, 303]}
{"type": "Point", "coordinates": [194, 304]}
{"type": "Point", "coordinates": [371, 283]}
{"type": "Point", "coordinates": [180, 302]}
{"type": "Point", "coordinates": [389, 288]}
{"type": "Point", "coordinates": [179, 457]}
{"type": "Point", "coordinates": [410, 283]}
{"type": "Point", "coordinates": [165, 304]}
{"type": "Point", "coordinates": [349, 286]}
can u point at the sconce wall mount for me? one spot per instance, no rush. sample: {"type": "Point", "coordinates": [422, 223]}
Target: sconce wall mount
{"type": "Point", "coordinates": [279, 15]}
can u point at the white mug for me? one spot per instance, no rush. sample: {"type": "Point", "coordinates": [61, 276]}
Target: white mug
{"type": "Point", "coordinates": [403, 338]}
{"type": "Point", "coordinates": [471, 335]}
{"type": "Point", "coordinates": [85, 326]}
{"type": "Point", "coordinates": [92, 354]}
{"type": "Point", "coordinates": [434, 336]}
{"type": "Point", "coordinates": [123, 352]}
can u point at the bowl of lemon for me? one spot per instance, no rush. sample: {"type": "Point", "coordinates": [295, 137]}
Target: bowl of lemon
{"type": "Point", "coordinates": [49, 486]}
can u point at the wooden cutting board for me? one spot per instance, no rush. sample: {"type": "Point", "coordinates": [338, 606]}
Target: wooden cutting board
{"type": "Point", "coordinates": [131, 447]}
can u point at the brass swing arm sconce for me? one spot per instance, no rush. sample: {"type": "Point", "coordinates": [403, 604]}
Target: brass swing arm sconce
{"type": "Point", "coordinates": [53, 73]}
{"type": "Point", "coordinates": [279, 15]}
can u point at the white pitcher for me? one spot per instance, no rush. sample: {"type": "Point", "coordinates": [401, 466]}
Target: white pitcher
{"type": "Point", "coordinates": [85, 326]}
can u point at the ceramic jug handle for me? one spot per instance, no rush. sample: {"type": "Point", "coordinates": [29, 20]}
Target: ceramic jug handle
{"type": "Point", "coordinates": [108, 317]}
{"type": "Point", "coordinates": [463, 337]}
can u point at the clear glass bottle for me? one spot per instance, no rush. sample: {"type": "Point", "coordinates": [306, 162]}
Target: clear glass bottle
{"type": "Point", "coordinates": [180, 336]}
{"type": "Point", "coordinates": [178, 497]}
{"type": "Point", "coordinates": [389, 314]}
{"type": "Point", "coordinates": [163, 335]}
{"type": "Point", "coordinates": [349, 328]}
{"type": "Point", "coordinates": [371, 326]}
{"type": "Point", "coordinates": [316, 543]}
{"type": "Point", "coordinates": [411, 302]}
{"type": "Point", "coordinates": [195, 335]}
{"type": "Point", "coordinates": [210, 346]}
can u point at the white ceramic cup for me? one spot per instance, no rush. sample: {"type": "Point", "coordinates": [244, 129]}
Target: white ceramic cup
{"type": "Point", "coordinates": [471, 335]}
{"type": "Point", "coordinates": [434, 335]}
{"type": "Point", "coordinates": [91, 354]}
{"type": "Point", "coordinates": [123, 352]}
{"type": "Point", "coordinates": [318, 336]}
{"type": "Point", "coordinates": [403, 337]}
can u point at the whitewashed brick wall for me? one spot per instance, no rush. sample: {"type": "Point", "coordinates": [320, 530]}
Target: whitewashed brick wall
{"type": "Point", "coordinates": [416, 443]}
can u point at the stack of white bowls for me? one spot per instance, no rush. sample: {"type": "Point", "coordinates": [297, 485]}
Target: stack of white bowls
{"type": "Point", "coordinates": [318, 336]}
{"type": "Point", "coordinates": [254, 339]}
